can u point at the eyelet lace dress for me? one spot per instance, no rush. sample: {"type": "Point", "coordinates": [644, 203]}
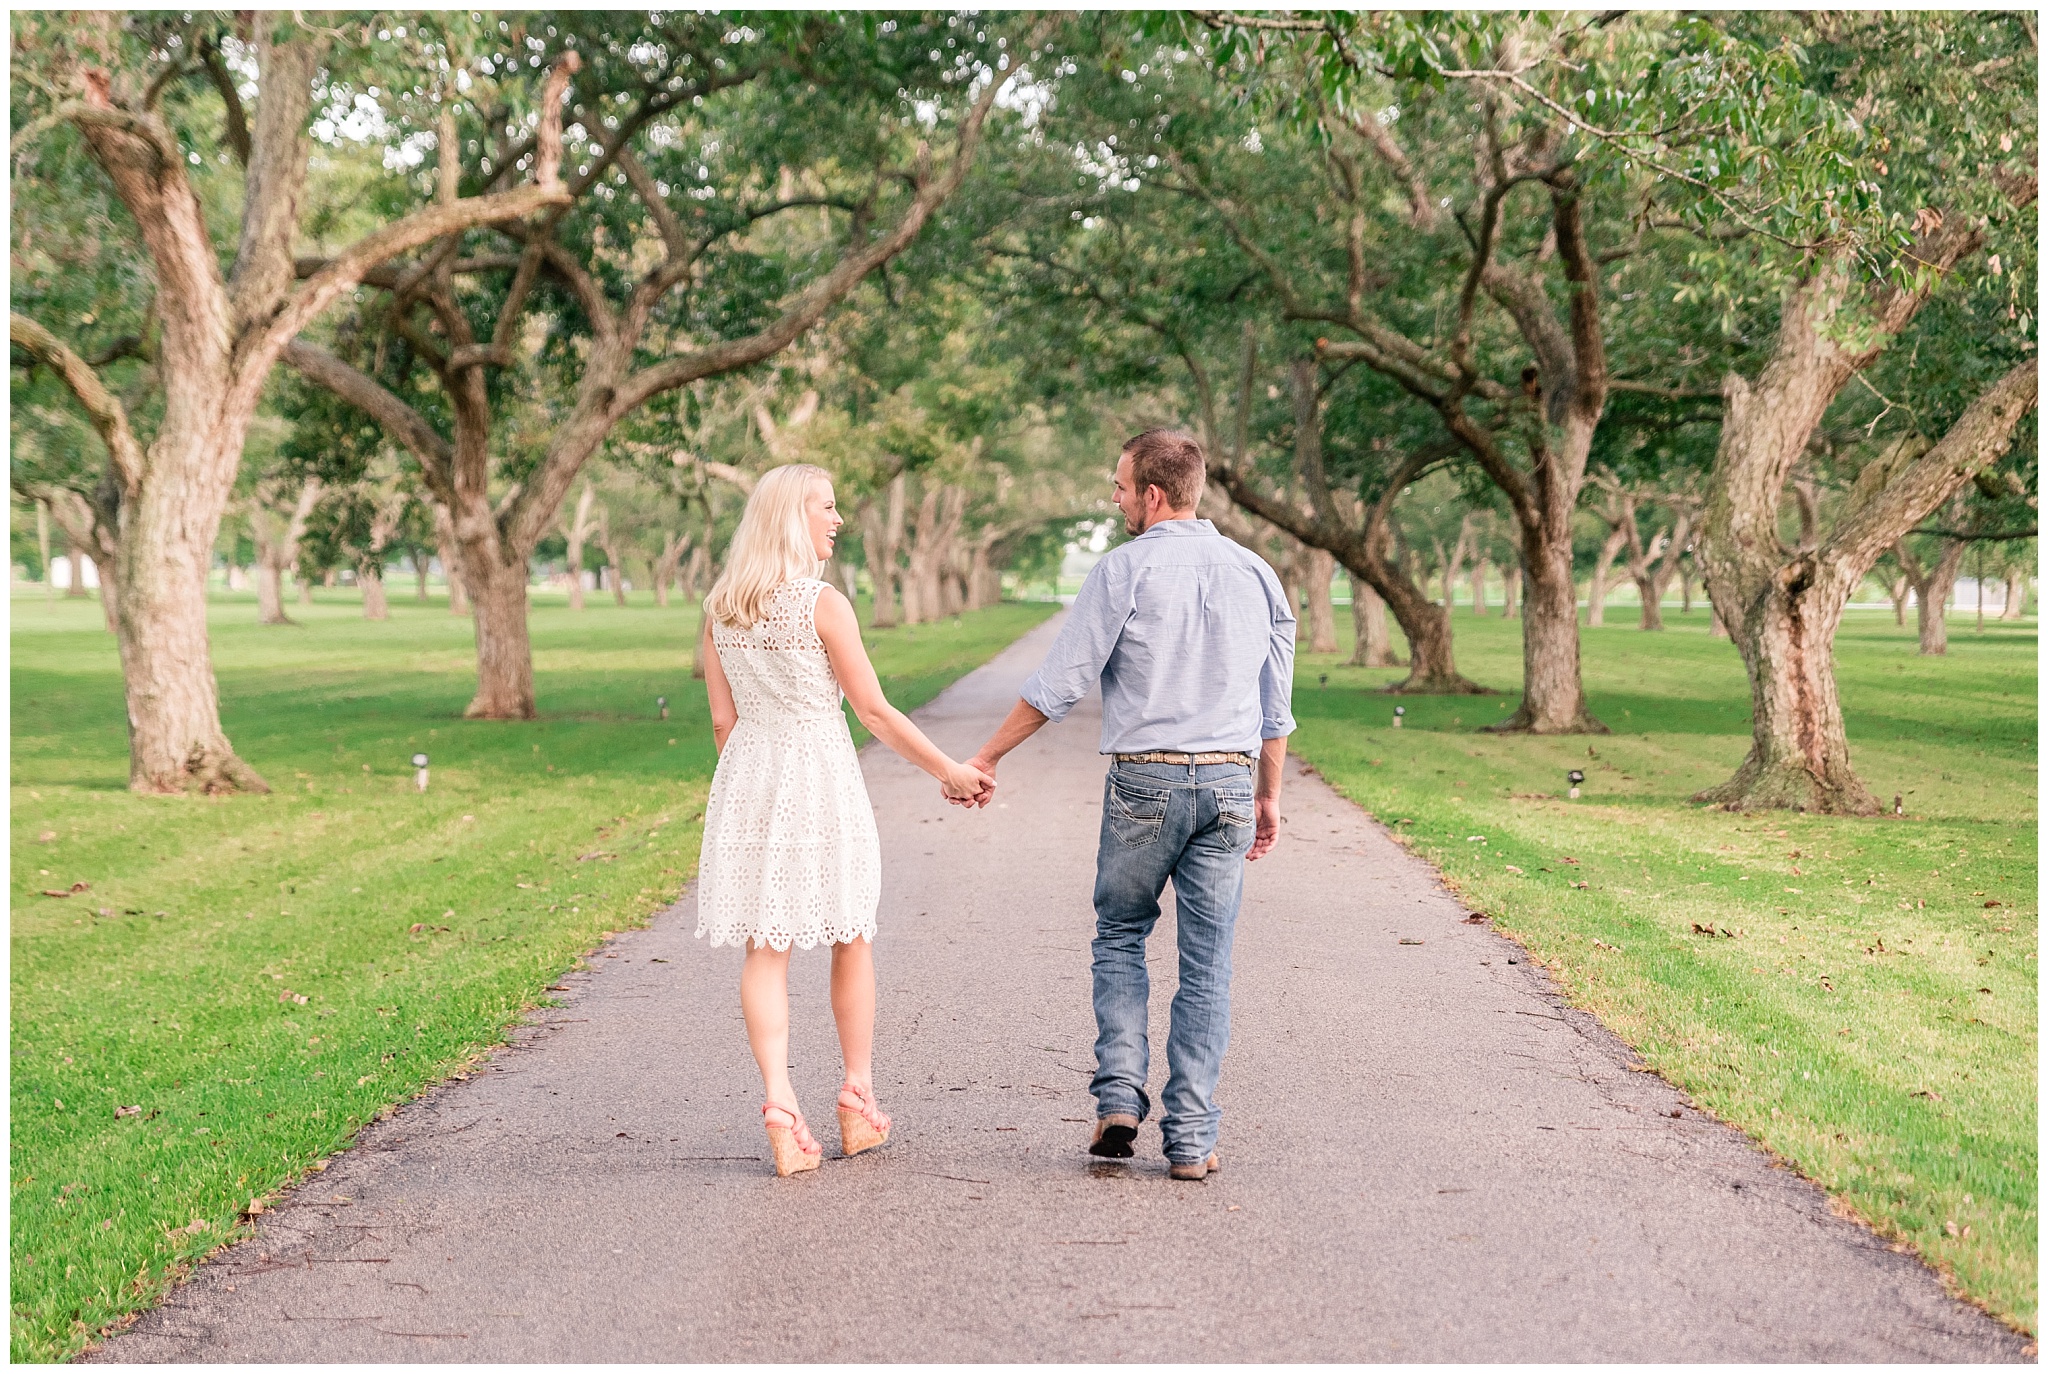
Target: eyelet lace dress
{"type": "Point", "coordinates": [790, 851]}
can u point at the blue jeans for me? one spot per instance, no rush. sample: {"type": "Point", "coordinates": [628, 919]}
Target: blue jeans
{"type": "Point", "coordinates": [1193, 824]}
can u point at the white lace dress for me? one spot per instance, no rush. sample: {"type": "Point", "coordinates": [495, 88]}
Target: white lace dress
{"type": "Point", "coordinates": [790, 851]}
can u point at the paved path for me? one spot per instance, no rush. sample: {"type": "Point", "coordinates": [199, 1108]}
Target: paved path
{"type": "Point", "coordinates": [1485, 1179]}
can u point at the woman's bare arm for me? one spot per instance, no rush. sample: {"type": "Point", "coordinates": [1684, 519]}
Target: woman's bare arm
{"type": "Point", "coordinates": [841, 632]}
{"type": "Point", "coordinates": [724, 715]}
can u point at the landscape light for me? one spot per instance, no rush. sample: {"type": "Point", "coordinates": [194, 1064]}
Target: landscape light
{"type": "Point", "coordinates": [662, 702]}
{"type": "Point", "coordinates": [1399, 711]}
{"type": "Point", "coordinates": [1574, 777]}
{"type": "Point", "coordinates": [419, 761]}
{"type": "Point", "coordinates": [1322, 680]}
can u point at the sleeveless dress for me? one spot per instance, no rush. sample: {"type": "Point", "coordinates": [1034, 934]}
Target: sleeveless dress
{"type": "Point", "coordinates": [790, 854]}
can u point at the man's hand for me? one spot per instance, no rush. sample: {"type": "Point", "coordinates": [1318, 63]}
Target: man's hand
{"type": "Point", "coordinates": [982, 764]}
{"type": "Point", "coordinates": [1266, 830]}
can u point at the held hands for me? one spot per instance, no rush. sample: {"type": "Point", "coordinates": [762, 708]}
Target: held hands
{"type": "Point", "coordinates": [965, 784]}
{"type": "Point", "coordinates": [977, 768]}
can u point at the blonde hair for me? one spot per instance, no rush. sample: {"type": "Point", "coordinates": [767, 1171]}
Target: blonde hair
{"type": "Point", "coordinates": [771, 546]}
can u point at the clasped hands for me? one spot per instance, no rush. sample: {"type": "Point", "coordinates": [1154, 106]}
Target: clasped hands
{"type": "Point", "coordinates": [971, 784]}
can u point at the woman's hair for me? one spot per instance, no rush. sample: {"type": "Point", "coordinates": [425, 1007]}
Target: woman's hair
{"type": "Point", "coordinates": [771, 546]}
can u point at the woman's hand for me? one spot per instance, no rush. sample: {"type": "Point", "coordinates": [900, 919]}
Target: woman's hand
{"type": "Point", "coordinates": [964, 783]}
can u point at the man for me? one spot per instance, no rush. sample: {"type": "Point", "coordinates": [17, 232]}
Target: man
{"type": "Point", "coordinates": [1192, 639]}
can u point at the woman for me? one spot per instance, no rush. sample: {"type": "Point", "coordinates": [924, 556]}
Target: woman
{"type": "Point", "coordinates": [790, 853]}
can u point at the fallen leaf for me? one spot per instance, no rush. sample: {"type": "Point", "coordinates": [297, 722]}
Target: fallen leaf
{"type": "Point", "coordinates": [47, 836]}
{"type": "Point", "coordinates": [1578, 885]}
{"type": "Point", "coordinates": [1512, 869]}
{"type": "Point", "coordinates": [1986, 991]}
{"type": "Point", "coordinates": [127, 1111]}
{"type": "Point", "coordinates": [1952, 1229]}
{"type": "Point", "coordinates": [1569, 859]}
{"type": "Point", "coordinates": [1407, 941]}
{"type": "Point", "coordinates": [414, 929]}
{"type": "Point", "coordinates": [1927, 1093]}
{"type": "Point", "coordinates": [1992, 903]}
{"type": "Point", "coordinates": [1602, 944]}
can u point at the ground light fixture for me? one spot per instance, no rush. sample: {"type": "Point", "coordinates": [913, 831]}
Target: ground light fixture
{"type": "Point", "coordinates": [1574, 777]}
{"type": "Point", "coordinates": [419, 761]}
{"type": "Point", "coordinates": [661, 703]}
{"type": "Point", "coordinates": [1399, 711]}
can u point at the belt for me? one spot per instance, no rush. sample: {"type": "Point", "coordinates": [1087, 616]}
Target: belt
{"type": "Point", "coordinates": [1167, 756]}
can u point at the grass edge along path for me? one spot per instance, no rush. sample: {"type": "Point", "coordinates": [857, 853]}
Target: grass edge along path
{"type": "Point", "coordinates": [247, 981]}
{"type": "Point", "coordinates": [1856, 995]}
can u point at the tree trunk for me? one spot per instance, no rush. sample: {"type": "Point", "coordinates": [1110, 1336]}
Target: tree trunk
{"type": "Point", "coordinates": [1318, 569]}
{"type": "Point", "coordinates": [1935, 591]}
{"type": "Point", "coordinates": [575, 531]}
{"type": "Point", "coordinates": [1596, 587]}
{"type": "Point", "coordinates": [2015, 594]}
{"type": "Point", "coordinates": [881, 535]}
{"type": "Point", "coordinates": [76, 585]}
{"type": "Point", "coordinates": [450, 553]}
{"type": "Point", "coordinates": [1510, 590]}
{"type": "Point", "coordinates": [1799, 747]}
{"type": "Point", "coordinates": [270, 595]}
{"type": "Point", "coordinates": [419, 572]}
{"type": "Point", "coordinates": [1783, 609]}
{"type": "Point", "coordinates": [504, 654]}
{"type": "Point", "coordinates": [43, 549]}
{"type": "Point", "coordinates": [1372, 647]}
{"type": "Point", "coordinates": [1554, 700]}
{"type": "Point", "coordinates": [1685, 588]}
{"type": "Point", "coordinates": [1479, 570]}
{"type": "Point", "coordinates": [110, 611]}
{"type": "Point", "coordinates": [175, 743]}
{"type": "Point", "coordinates": [673, 547]}
{"type": "Point", "coordinates": [1899, 590]}
{"type": "Point", "coordinates": [371, 579]}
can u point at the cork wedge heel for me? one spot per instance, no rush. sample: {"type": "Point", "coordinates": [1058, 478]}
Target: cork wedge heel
{"type": "Point", "coordinates": [794, 1149]}
{"type": "Point", "coordinates": [862, 1126]}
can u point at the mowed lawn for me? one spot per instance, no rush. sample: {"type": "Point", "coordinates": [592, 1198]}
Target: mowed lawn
{"type": "Point", "coordinates": [1857, 994]}
{"type": "Point", "coordinates": [243, 982]}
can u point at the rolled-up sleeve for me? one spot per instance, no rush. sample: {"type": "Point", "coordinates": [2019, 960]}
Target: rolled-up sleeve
{"type": "Point", "coordinates": [1084, 645]}
{"type": "Point", "coordinates": [1276, 679]}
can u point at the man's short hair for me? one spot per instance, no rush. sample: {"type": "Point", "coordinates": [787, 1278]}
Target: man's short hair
{"type": "Point", "coordinates": [1171, 460]}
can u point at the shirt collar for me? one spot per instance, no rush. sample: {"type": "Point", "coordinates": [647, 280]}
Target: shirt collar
{"type": "Point", "coordinates": [1169, 528]}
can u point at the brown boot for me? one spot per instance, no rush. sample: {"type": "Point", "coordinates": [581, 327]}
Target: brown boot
{"type": "Point", "coordinates": [1113, 1136]}
{"type": "Point", "coordinates": [1194, 1173]}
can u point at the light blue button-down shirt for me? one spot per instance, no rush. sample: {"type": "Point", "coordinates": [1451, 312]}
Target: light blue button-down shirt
{"type": "Point", "coordinates": [1192, 639]}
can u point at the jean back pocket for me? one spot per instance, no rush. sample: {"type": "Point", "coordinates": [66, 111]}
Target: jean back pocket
{"type": "Point", "coordinates": [1137, 814]}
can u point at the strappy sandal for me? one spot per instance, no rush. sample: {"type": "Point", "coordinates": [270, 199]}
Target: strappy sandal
{"type": "Point", "coordinates": [795, 1151]}
{"type": "Point", "coordinates": [862, 1127]}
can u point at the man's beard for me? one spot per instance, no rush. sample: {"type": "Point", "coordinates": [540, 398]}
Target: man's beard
{"type": "Point", "coordinates": [1132, 527]}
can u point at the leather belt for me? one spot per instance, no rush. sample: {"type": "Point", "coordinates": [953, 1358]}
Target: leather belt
{"type": "Point", "coordinates": [1166, 756]}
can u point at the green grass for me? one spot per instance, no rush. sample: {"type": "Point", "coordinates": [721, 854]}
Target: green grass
{"type": "Point", "coordinates": [261, 975]}
{"type": "Point", "coordinates": [1867, 1007]}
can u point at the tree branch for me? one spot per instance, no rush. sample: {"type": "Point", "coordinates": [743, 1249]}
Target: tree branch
{"type": "Point", "coordinates": [109, 417]}
{"type": "Point", "coordinates": [436, 456]}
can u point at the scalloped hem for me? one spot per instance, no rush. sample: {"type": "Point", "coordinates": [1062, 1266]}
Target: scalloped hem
{"type": "Point", "coordinates": [744, 939]}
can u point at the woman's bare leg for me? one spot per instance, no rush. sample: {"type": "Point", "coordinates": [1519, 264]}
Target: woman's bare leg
{"type": "Point", "coordinates": [764, 1001]}
{"type": "Point", "coordinates": [853, 1007]}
